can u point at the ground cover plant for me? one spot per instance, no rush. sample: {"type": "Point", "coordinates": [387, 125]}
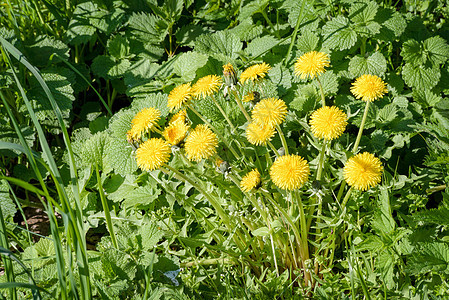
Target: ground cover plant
{"type": "Point", "coordinates": [210, 150]}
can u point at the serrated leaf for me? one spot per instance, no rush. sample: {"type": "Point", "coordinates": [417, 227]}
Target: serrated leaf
{"type": "Point", "coordinates": [362, 14]}
{"type": "Point", "coordinates": [94, 148]}
{"type": "Point", "coordinates": [186, 35]}
{"type": "Point", "coordinates": [7, 205]}
{"type": "Point", "coordinates": [118, 264]}
{"type": "Point", "coordinates": [393, 24]}
{"type": "Point", "coordinates": [80, 30]}
{"type": "Point", "coordinates": [120, 157]}
{"type": "Point", "coordinates": [310, 15]}
{"type": "Point", "coordinates": [308, 41]}
{"type": "Point", "coordinates": [151, 235]}
{"type": "Point", "coordinates": [147, 28]}
{"type": "Point", "coordinates": [261, 45]}
{"type": "Point", "coordinates": [251, 8]}
{"type": "Point", "coordinates": [385, 261]}
{"type": "Point", "coordinates": [118, 46]}
{"type": "Point", "coordinates": [383, 221]}
{"type": "Point", "coordinates": [281, 77]}
{"type": "Point", "coordinates": [222, 44]}
{"type": "Point", "coordinates": [142, 197]}
{"type": "Point", "coordinates": [338, 34]}
{"type": "Point", "coordinates": [329, 81]}
{"type": "Point", "coordinates": [441, 117]}
{"type": "Point", "coordinates": [106, 67]}
{"type": "Point", "coordinates": [306, 100]}
{"type": "Point", "coordinates": [426, 98]}
{"type": "Point", "coordinates": [387, 114]}
{"type": "Point", "coordinates": [438, 216]}
{"type": "Point", "coordinates": [378, 140]}
{"type": "Point", "coordinates": [375, 64]}
{"type": "Point", "coordinates": [188, 63]}
{"type": "Point", "coordinates": [429, 257]}
{"type": "Point", "coordinates": [247, 30]}
{"type": "Point", "coordinates": [437, 50]}
{"type": "Point", "coordinates": [8, 134]}
{"type": "Point", "coordinates": [158, 101]}
{"type": "Point", "coordinates": [43, 48]}
{"type": "Point", "coordinates": [421, 77]}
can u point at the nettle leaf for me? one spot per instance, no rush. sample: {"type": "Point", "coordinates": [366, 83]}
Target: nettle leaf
{"type": "Point", "coordinates": [143, 196]}
{"type": "Point", "coordinates": [80, 29]}
{"type": "Point", "coordinates": [393, 24]}
{"type": "Point", "coordinates": [251, 8]}
{"type": "Point", "coordinates": [223, 45]}
{"type": "Point", "coordinates": [329, 80]}
{"type": "Point", "coordinates": [188, 63]}
{"type": "Point", "coordinates": [338, 34]}
{"type": "Point", "coordinates": [151, 235]}
{"type": "Point", "coordinates": [306, 100]}
{"type": "Point", "coordinates": [375, 64]}
{"type": "Point", "coordinates": [308, 41]}
{"type": "Point", "coordinates": [106, 67]}
{"type": "Point", "coordinates": [118, 47]}
{"type": "Point", "coordinates": [281, 77]}
{"type": "Point", "coordinates": [362, 14]}
{"type": "Point", "coordinates": [186, 35]}
{"type": "Point", "coordinates": [387, 114]}
{"type": "Point", "coordinates": [261, 45]}
{"type": "Point", "coordinates": [147, 28]}
{"type": "Point", "coordinates": [8, 134]}
{"type": "Point", "coordinates": [43, 48]}
{"type": "Point", "coordinates": [158, 101]}
{"type": "Point", "coordinates": [117, 187]}
{"type": "Point", "coordinates": [421, 77]}
{"type": "Point", "coordinates": [429, 257]}
{"type": "Point", "coordinates": [426, 98]}
{"type": "Point", "coordinates": [310, 16]}
{"type": "Point", "coordinates": [140, 78]}
{"type": "Point", "coordinates": [94, 148]}
{"type": "Point", "coordinates": [7, 205]}
{"type": "Point", "coordinates": [247, 30]}
{"type": "Point", "coordinates": [438, 216]}
{"type": "Point", "coordinates": [434, 50]}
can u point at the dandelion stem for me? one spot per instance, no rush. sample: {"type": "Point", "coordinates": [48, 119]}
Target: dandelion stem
{"type": "Point", "coordinates": [214, 130]}
{"type": "Point", "coordinates": [283, 140]}
{"type": "Point", "coordinates": [240, 104]}
{"type": "Point", "coordinates": [345, 200]}
{"type": "Point", "coordinates": [223, 113]}
{"type": "Point", "coordinates": [323, 98]}
{"type": "Point", "coordinates": [359, 135]}
{"type": "Point", "coordinates": [321, 161]}
{"type": "Point", "coordinates": [273, 148]}
{"type": "Point", "coordinates": [295, 31]}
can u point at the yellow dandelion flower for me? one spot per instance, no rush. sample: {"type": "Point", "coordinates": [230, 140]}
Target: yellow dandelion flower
{"type": "Point", "coordinates": [201, 143]}
{"type": "Point", "coordinates": [180, 115]}
{"type": "Point", "coordinates": [369, 87]}
{"type": "Point", "coordinates": [142, 122]}
{"type": "Point", "coordinates": [250, 181]}
{"type": "Point", "coordinates": [152, 154]}
{"type": "Point", "coordinates": [175, 132]}
{"type": "Point", "coordinates": [259, 135]}
{"type": "Point", "coordinates": [255, 72]}
{"type": "Point", "coordinates": [206, 86]}
{"type": "Point", "coordinates": [328, 122]}
{"type": "Point", "coordinates": [229, 75]}
{"type": "Point", "coordinates": [179, 96]}
{"type": "Point", "coordinates": [311, 64]}
{"type": "Point", "coordinates": [248, 97]}
{"type": "Point", "coordinates": [363, 171]}
{"type": "Point", "coordinates": [289, 172]}
{"type": "Point", "coordinates": [269, 112]}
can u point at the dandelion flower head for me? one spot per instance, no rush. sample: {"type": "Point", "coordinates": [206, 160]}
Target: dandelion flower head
{"type": "Point", "coordinates": [179, 96]}
{"type": "Point", "coordinates": [259, 134]}
{"type": "Point", "coordinates": [369, 87]}
{"type": "Point", "coordinates": [142, 122]}
{"type": "Point", "coordinates": [328, 122]}
{"type": "Point", "coordinates": [269, 112]}
{"type": "Point", "coordinates": [250, 181]}
{"type": "Point", "coordinates": [229, 75]}
{"type": "Point", "coordinates": [254, 72]}
{"type": "Point", "coordinates": [206, 86]}
{"type": "Point", "coordinates": [201, 143]}
{"type": "Point", "coordinates": [363, 171]}
{"type": "Point", "coordinates": [175, 132]}
{"type": "Point", "coordinates": [152, 154]}
{"type": "Point", "coordinates": [180, 115]}
{"type": "Point", "coordinates": [289, 172]}
{"type": "Point", "coordinates": [311, 64]}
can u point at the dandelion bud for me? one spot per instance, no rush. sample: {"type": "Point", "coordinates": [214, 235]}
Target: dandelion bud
{"type": "Point", "coordinates": [229, 75]}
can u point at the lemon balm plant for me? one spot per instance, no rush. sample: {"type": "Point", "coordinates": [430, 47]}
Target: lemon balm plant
{"type": "Point", "coordinates": [273, 220]}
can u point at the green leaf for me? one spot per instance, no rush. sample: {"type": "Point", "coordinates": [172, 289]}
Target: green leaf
{"type": "Point", "coordinates": [142, 197]}
{"type": "Point", "coordinates": [362, 14]}
{"type": "Point", "coordinates": [438, 216]}
{"type": "Point", "coordinates": [306, 100]}
{"type": "Point", "coordinates": [151, 235]}
{"type": "Point", "coordinates": [329, 80]}
{"type": "Point", "coordinates": [246, 30]}
{"type": "Point", "coordinates": [43, 48]}
{"type": "Point", "coordinates": [338, 34]}
{"type": "Point", "coordinates": [260, 46]}
{"type": "Point", "coordinates": [387, 114]}
{"type": "Point", "coordinates": [106, 67]}
{"type": "Point", "coordinates": [251, 8]}
{"type": "Point", "coordinates": [94, 148]}
{"type": "Point", "coordinates": [262, 231]}
{"type": "Point", "coordinates": [188, 63]}
{"type": "Point", "coordinates": [223, 45]}
{"type": "Point", "coordinates": [80, 30]}
{"type": "Point", "coordinates": [437, 50]}
{"type": "Point", "coordinates": [429, 257]}
{"type": "Point", "coordinates": [147, 28]}
{"type": "Point", "coordinates": [393, 24]}
{"type": "Point", "coordinates": [281, 77]}
{"type": "Point", "coordinates": [421, 77]}
{"type": "Point", "coordinates": [118, 47]}
{"type": "Point", "coordinates": [383, 221]}
{"type": "Point", "coordinates": [310, 16]}
{"type": "Point", "coordinates": [7, 205]}
{"type": "Point", "coordinates": [426, 98]}
{"type": "Point", "coordinates": [186, 35]}
{"type": "Point", "coordinates": [308, 41]}
{"type": "Point", "coordinates": [158, 101]}
{"type": "Point", "coordinates": [118, 187]}
{"type": "Point", "coordinates": [385, 261]}
{"type": "Point", "coordinates": [118, 264]}
{"type": "Point", "coordinates": [375, 64]}
{"type": "Point", "coordinates": [8, 134]}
